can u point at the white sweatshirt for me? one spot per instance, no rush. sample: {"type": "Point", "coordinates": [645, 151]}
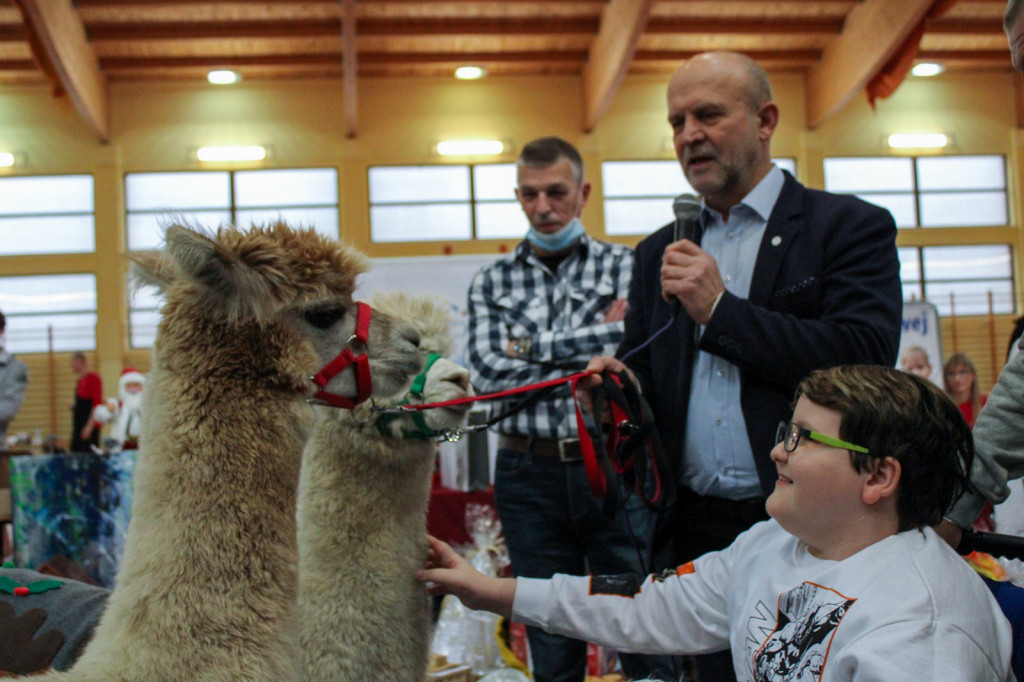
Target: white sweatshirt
{"type": "Point", "coordinates": [905, 608]}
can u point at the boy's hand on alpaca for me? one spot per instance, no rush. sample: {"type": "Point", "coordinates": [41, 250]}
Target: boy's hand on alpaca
{"type": "Point", "coordinates": [449, 573]}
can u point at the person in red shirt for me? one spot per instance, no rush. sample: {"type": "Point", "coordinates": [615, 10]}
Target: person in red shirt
{"type": "Point", "coordinates": [85, 432]}
{"type": "Point", "coordinates": [961, 384]}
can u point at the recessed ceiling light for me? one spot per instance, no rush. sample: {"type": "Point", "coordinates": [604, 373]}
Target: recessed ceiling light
{"type": "Point", "coordinates": [927, 69]}
{"type": "Point", "coordinates": [223, 77]}
{"type": "Point", "coordinates": [239, 153]}
{"type": "Point", "coordinates": [469, 147]}
{"type": "Point", "coordinates": [918, 140]}
{"type": "Point", "coordinates": [470, 72]}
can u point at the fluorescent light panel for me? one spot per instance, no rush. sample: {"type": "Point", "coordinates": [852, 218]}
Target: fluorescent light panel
{"type": "Point", "coordinates": [223, 77]}
{"type": "Point", "coordinates": [6, 159]}
{"type": "Point", "coordinates": [239, 153]}
{"type": "Point", "coordinates": [918, 140]}
{"type": "Point", "coordinates": [469, 147]}
{"type": "Point", "coordinates": [927, 69]}
{"type": "Point", "coordinates": [470, 72]}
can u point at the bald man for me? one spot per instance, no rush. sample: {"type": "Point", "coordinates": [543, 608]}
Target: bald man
{"type": "Point", "coordinates": [777, 281]}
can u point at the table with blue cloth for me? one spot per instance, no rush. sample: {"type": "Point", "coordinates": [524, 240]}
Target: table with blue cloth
{"type": "Point", "coordinates": [72, 508]}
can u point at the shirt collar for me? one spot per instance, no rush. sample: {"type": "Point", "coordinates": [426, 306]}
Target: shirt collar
{"type": "Point", "coordinates": [524, 250]}
{"type": "Point", "coordinates": [761, 200]}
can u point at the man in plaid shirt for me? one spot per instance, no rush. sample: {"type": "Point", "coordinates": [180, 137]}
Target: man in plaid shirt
{"type": "Point", "coordinates": [542, 313]}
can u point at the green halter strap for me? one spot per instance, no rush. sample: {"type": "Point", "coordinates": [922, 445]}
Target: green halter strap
{"type": "Point", "coordinates": [416, 391]}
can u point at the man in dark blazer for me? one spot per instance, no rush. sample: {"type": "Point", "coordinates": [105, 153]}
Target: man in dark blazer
{"type": "Point", "coordinates": [776, 281]}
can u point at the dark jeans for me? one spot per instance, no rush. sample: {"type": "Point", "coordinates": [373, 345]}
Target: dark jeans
{"type": "Point", "coordinates": [552, 524]}
{"type": "Point", "coordinates": [694, 526]}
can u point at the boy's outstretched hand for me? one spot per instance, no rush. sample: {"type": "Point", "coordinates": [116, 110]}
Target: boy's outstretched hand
{"type": "Point", "coordinates": [449, 573]}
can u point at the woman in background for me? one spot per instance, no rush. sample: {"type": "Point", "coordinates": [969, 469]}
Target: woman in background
{"type": "Point", "coordinates": [961, 383]}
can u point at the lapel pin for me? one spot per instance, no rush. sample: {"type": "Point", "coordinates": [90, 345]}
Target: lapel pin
{"type": "Point", "coordinates": [776, 240]}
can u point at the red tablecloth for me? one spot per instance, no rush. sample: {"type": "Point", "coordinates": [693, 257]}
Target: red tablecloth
{"type": "Point", "coordinates": [446, 515]}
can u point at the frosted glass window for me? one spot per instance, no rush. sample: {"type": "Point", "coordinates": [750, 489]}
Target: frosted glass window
{"type": "Point", "coordinates": [867, 174]}
{"type": "Point", "coordinates": [142, 327]}
{"type": "Point", "coordinates": [290, 187]}
{"type": "Point", "coordinates": [496, 181]}
{"type": "Point", "coordinates": [912, 291]}
{"type": "Point", "coordinates": [47, 234]}
{"type": "Point", "coordinates": [910, 264]}
{"type": "Point", "coordinates": [38, 303]}
{"type": "Point", "coordinates": [46, 194]}
{"type": "Point", "coordinates": [421, 222]}
{"type": "Point", "coordinates": [636, 216]}
{"type": "Point", "coordinates": [500, 221]}
{"type": "Point", "coordinates": [903, 207]}
{"type": "Point", "coordinates": [644, 179]}
{"type": "Point", "coordinates": [786, 164]}
{"type": "Point", "coordinates": [163, 191]}
{"type": "Point", "coordinates": [963, 209]}
{"type": "Point", "coordinates": [323, 220]}
{"type": "Point", "coordinates": [639, 194]}
{"type": "Point", "coordinates": [146, 230]}
{"type": "Point", "coordinates": [406, 184]}
{"type": "Point", "coordinates": [966, 262]}
{"type": "Point", "coordinates": [961, 172]}
{"type": "Point", "coordinates": [971, 298]}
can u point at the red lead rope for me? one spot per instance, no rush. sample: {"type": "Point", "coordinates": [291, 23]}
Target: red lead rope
{"type": "Point", "coordinates": [574, 378]}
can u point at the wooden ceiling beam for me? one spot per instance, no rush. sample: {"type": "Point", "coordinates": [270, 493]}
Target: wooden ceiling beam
{"type": "Point", "coordinates": [873, 32]}
{"type": "Point", "coordinates": [58, 40]}
{"type": "Point", "coordinates": [350, 67]}
{"type": "Point", "coordinates": [622, 24]}
{"type": "Point", "coordinates": [707, 25]}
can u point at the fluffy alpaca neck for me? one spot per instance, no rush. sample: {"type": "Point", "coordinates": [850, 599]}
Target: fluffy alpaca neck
{"type": "Point", "coordinates": [208, 580]}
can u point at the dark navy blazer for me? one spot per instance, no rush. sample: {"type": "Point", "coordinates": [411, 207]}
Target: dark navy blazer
{"type": "Point", "coordinates": [825, 291]}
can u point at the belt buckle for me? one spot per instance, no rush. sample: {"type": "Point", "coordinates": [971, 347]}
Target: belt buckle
{"type": "Point", "coordinates": [568, 456]}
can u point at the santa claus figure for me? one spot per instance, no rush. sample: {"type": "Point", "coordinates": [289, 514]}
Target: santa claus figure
{"type": "Point", "coordinates": [124, 414]}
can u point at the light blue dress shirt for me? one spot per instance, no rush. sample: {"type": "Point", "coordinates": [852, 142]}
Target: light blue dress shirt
{"type": "Point", "coordinates": [717, 459]}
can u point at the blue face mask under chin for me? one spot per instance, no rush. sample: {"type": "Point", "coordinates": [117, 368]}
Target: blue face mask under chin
{"type": "Point", "coordinates": [557, 241]}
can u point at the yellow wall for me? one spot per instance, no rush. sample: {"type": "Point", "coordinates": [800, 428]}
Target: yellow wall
{"type": "Point", "coordinates": [154, 127]}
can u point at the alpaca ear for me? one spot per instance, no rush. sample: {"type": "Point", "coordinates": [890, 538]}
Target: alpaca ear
{"type": "Point", "coordinates": [151, 268]}
{"type": "Point", "coordinates": [234, 289]}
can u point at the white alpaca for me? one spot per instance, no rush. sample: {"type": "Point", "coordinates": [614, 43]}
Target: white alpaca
{"type": "Point", "coordinates": [207, 586]}
{"type": "Point", "coordinates": [362, 527]}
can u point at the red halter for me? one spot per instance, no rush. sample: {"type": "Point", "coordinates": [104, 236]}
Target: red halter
{"type": "Point", "coordinates": [364, 385]}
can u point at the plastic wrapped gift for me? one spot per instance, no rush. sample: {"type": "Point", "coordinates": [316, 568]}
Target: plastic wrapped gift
{"type": "Point", "coordinates": [72, 506]}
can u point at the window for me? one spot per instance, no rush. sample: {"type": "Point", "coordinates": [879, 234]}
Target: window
{"type": "Point", "coordinates": [36, 304]}
{"type": "Point", "coordinates": [638, 194]}
{"type": "Point", "coordinates": [47, 214]}
{"type": "Point", "coordinates": [959, 279]}
{"type": "Point", "coordinates": [930, 191]}
{"type": "Point", "coordinates": [444, 203]}
{"type": "Point", "coordinates": [305, 197]}
{"type": "Point", "coordinates": [299, 196]}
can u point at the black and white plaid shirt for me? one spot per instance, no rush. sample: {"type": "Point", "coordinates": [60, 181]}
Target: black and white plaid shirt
{"type": "Point", "coordinates": [518, 296]}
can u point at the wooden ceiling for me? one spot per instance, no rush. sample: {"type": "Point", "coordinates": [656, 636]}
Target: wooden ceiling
{"type": "Point", "coordinates": [84, 45]}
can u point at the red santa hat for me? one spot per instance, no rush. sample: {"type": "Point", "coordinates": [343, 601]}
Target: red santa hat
{"type": "Point", "coordinates": [131, 376]}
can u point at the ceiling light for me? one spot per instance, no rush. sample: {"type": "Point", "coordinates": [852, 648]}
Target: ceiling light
{"type": "Point", "coordinates": [927, 69]}
{"type": "Point", "coordinates": [223, 77]}
{"type": "Point", "coordinates": [469, 147]}
{"type": "Point", "coordinates": [918, 140]}
{"type": "Point", "coordinates": [469, 73]}
{"type": "Point", "coordinates": [241, 153]}
{"type": "Point", "coordinates": [6, 159]}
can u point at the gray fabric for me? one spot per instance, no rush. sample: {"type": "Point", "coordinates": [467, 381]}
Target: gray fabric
{"type": "Point", "coordinates": [998, 444]}
{"type": "Point", "coordinates": [73, 610]}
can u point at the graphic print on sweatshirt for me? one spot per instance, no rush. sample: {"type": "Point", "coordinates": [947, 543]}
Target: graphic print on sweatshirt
{"type": "Point", "coordinates": [795, 648]}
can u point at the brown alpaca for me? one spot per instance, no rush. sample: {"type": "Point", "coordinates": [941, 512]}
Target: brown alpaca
{"type": "Point", "coordinates": [207, 586]}
{"type": "Point", "coordinates": [362, 526]}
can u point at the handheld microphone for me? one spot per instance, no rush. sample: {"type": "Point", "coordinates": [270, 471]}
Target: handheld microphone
{"type": "Point", "coordinates": [686, 208]}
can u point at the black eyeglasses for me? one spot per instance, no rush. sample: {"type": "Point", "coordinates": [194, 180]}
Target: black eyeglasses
{"type": "Point", "coordinates": [790, 434]}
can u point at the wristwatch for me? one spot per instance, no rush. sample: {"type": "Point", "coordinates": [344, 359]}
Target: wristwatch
{"type": "Point", "coordinates": [522, 346]}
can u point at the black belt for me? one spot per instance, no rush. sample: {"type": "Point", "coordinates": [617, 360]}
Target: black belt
{"type": "Point", "coordinates": [566, 449]}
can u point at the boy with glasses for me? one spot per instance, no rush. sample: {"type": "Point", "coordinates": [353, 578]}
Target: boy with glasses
{"type": "Point", "coordinates": [846, 581]}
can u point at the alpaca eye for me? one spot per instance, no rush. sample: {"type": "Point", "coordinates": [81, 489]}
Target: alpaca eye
{"type": "Point", "coordinates": [323, 318]}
